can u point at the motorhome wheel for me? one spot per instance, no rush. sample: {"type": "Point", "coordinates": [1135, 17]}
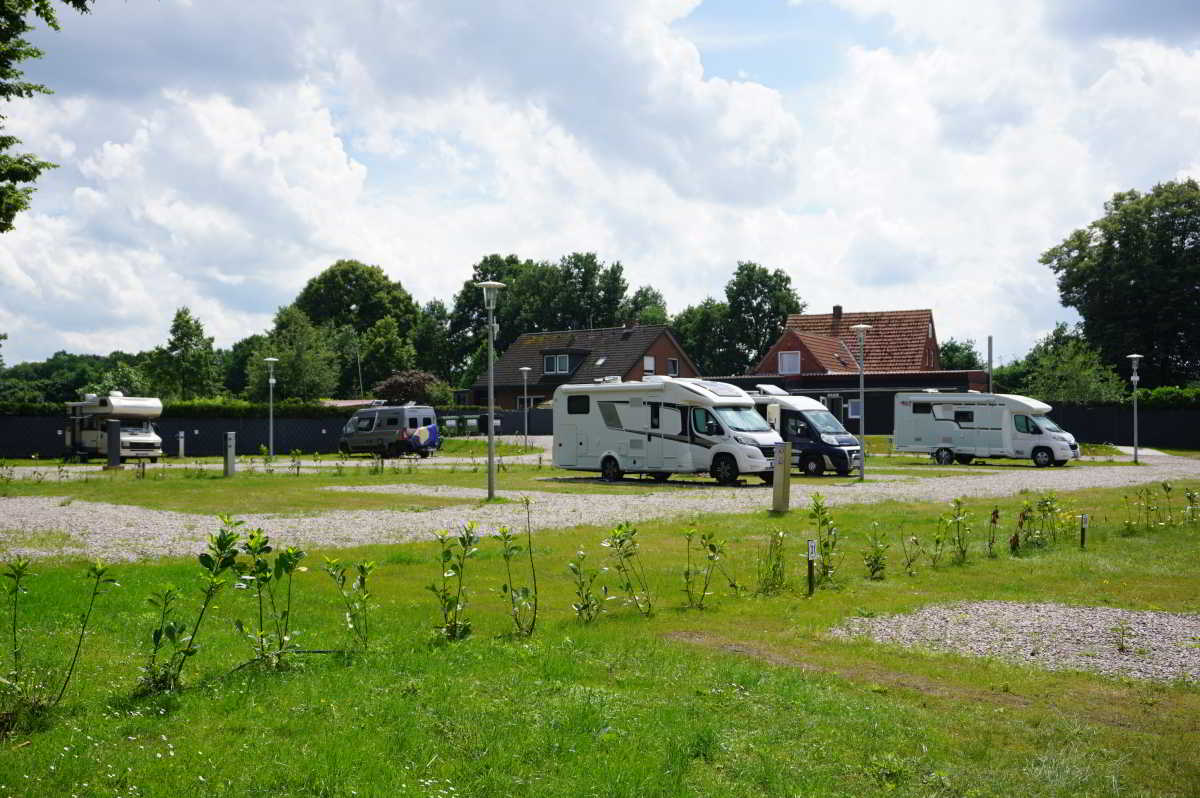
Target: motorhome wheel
{"type": "Point", "coordinates": [724, 469]}
{"type": "Point", "coordinates": [423, 453]}
{"type": "Point", "coordinates": [1042, 457]}
{"type": "Point", "coordinates": [610, 470]}
{"type": "Point", "coordinates": [944, 456]}
{"type": "Point", "coordinates": [813, 467]}
{"type": "Point", "coordinates": [767, 477]}
{"type": "Point", "coordinates": [660, 476]}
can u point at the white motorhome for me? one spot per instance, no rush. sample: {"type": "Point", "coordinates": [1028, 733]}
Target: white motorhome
{"type": "Point", "coordinates": [963, 426]}
{"type": "Point", "coordinates": [662, 426]}
{"type": "Point", "coordinates": [87, 428]}
{"type": "Point", "coordinates": [819, 441]}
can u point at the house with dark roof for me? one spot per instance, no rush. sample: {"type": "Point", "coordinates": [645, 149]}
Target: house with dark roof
{"type": "Point", "coordinates": [817, 355]}
{"type": "Point", "coordinates": [580, 356]}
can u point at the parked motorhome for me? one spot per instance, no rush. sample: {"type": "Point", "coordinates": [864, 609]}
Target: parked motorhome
{"type": "Point", "coordinates": [959, 427]}
{"type": "Point", "coordinates": [819, 441]}
{"type": "Point", "coordinates": [661, 426]}
{"type": "Point", "coordinates": [87, 426]}
{"type": "Point", "coordinates": [391, 431]}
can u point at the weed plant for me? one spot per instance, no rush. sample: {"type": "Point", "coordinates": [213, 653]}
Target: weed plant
{"type": "Point", "coordinates": [587, 604]}
{"type": "Point", "coordinates": [772, 565]}
{"type": "Point", "coordinates": [993, 525]}
{"type": "Point", "coordinates": [875, 555]}
{"type": "Point", "coordinates": [958, 528]}
{"type": "Point", "coordinates": [911, 547]}
{"type": "Point", "coordinates": [356, 599]}
{"type": "Point", "coordinates": [624, 552]}
{"type": "Point", "coordinates": [522, 599]}
{"type": "Point", "coordinates": [270, 643]}
{"type": "Point", "coordinates": [697, 576]}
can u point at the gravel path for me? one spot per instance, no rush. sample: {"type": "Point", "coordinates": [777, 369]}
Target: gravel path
{"type": "Point", "coordinates": [126, 533]}
{"type": "Point", "coordinates": [1142, 644]}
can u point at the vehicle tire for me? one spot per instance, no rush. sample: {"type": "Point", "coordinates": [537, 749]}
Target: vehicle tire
{"type": "Point", "coordinates": [767, 477]}
{"type": "Point", "coordinates": [660, 476]}
{"type": "Point", "coordinates": [812, 466]}
{"type": "Point", "coordinates": [845, 473]}
{"type": "Point", "coordinates": [423, 453]}
{"type": "Point", "coordinates": [1042, 457]}
{"type": "Point", "coordinates": [392, 450]}
{"type": "Point", "coordinates": [724, 469]}
{"type": "Point", "coordinates": [1060, 463]}
{"type": "Point", "coordinates": [154, 461]}
{"type": "Point", "coordinates": [610, 470]}
{"type": "Point", "coordinates": [944, 457]}
{"type": "Point", "coordinates": [344, 448]}
{"type": "Point", "coordinates": [964, 459]}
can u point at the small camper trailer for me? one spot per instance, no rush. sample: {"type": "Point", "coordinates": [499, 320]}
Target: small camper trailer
{"type": "Point", "coordinates": [959, 427]}
{"type": "Point", "coordinates": [661, 426]}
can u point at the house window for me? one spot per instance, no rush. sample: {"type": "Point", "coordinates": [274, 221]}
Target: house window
{"type": "Point", "coordinates": [854, 408]}
{"type": "Point", "coordinates": [556, 364]}
{"type": "Point", "coordinates": [648, 364]}
{"type": "Point", "coordinates": [579, 405]}
{"type": "Point", "coordinates": [531, 401]}
{"type": "Point", "coordinates": [789, 362]}
{"type": "Point", "coordinates": [672, 367]}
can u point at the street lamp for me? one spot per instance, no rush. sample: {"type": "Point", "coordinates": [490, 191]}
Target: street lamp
{"type": "Point", "coordinates": [525, 390]}
{"type": "Point", "coordinates": [491, 289]}
{"type": "Point", "coordinates": [357, 351]}
{"type": "Point", "coordinates": [271, 361]}
{"type": "Point", "coordinates": [1134, 378]}
{"type": "Point", "coordinates": [861, 329]}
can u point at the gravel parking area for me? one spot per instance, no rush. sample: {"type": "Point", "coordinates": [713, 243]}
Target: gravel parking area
{"type": "Point", "coordinates": [46, 526]}
{"type": "Point", "coordinates": [1141, 644]}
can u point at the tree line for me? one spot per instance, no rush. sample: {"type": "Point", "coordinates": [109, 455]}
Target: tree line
{"type": "Point", "coordinates": [352, 331]}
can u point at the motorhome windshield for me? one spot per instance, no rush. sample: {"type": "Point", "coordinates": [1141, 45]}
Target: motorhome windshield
{"type": "Point", "coordinates": [136, 425]}
{"type": "Point", "coordinates": [1048, 425]}
{"type": "Point", "coordinates": [741, 419]}
{"type": "Point", "coordinates": [825, 422]}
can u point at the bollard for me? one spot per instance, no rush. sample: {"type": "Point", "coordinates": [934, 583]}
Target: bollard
{"type": "Point", "coordinates": [113, 430]}
{"type": "Point", "coordinates": [812, 557]}
{"type": "Point", "coordinates": [782, 483]}
{"type": "Point", "coordinates": [1083, 525]}
{"type": "Point", "coordinates": [230, 453]}
{"type": "Point", "coordinates": [181, 435]}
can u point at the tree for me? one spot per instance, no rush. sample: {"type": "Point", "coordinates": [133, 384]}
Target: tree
{"type": "Point", "coordinates": [958, 355]}
{"type": "Point", "coordinates": [644, 306]}
{"type": "Point", "coordinates": [1063, 367]}
{"type": "Point", "coordinates": [306, 369]}
{"type": "Point", "coordinates": [1134, 277]}
{"type": "Point", "coordinates": [19, 172]}
{"type": "Point", "coordinates": [186, 367]}
{"type": "Point", "coordinates": [124, 377]}
{"type": "Point", "coordinates": [328, 297]}
{"type": "Point", "coordinates": [235, 361]}
{"type": "Point", "coordinates": [384, 351]}
{"type": "Point", "coordinates": [701, 331]}
{"type": "Point", "coordinates": [432, 343]}
{"type": "Point", "coordinates": [414, 385]}
{"type": "Point", "coordinates": [759, 303]}
{"type": "Point", "coordinates": [3, 338]}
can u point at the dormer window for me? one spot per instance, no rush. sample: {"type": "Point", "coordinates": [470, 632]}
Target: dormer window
{"type": "Point", "coordinates": [556, 364]}
{"type": "Point", "coordinates": [789, 362]}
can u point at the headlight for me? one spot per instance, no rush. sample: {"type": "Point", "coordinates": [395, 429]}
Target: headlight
{"type": "Point", "coordinates": [745, 441]}
{"type": "Point", "coordinates": [829, 439]}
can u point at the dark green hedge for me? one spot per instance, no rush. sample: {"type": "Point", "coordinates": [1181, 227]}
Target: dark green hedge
{"type": "Point", "coordinates": [226, 408]}
{"type": "Point", "coordinates": [1166, 397]}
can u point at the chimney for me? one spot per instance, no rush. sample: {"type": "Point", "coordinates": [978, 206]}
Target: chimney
{"type": "Point", "coordinates": [837, 313]}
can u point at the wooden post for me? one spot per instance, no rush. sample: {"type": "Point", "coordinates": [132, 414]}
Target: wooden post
{"type": "Point", "coordinates": [782, 483]}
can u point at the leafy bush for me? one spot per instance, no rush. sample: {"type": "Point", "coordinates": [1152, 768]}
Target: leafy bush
{"type": "Point", "coordinates": [627, 562]}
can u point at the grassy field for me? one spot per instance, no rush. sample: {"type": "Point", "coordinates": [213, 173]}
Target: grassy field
{"type": "Point", "coordinates": [748, 697]}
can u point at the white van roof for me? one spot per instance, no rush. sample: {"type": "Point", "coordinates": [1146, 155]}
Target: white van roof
{"type": "Point", "coordinates": [1034, 407]}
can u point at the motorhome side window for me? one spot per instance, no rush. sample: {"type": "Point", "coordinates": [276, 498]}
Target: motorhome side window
{"type": "Point", "coordinates": [704, 422]}
{"type": "Point", "coordinates": [922, 408]}
{"type": "Point", "coordinates": [655, 417]}
{"type": "Point", "coordinates": [1024, 424]}
{"type": "Point", "coordinates": [964, 416]}
{"type": "Point", "coordinates": [391, 421]}
{"type": "Point", "coordinates": [425, 422]}
{"type": "Point", "coordinates": [365, 423]}
{"type": "Point", "coordinates": [412, 422]}
{"type": "Point", "coordinates": [579, 405]}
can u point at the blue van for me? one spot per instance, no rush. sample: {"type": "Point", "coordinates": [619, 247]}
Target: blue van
{"type": "Point", "coordinates": [819, 441]}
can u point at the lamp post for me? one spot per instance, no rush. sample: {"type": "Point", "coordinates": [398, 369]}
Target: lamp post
{"type": "Point", "coordinates": [1134, 378]}
{"type": "Point", "coordinates": [491, 289]}
{"type": "Point", "coordinates": [525, 390]}
{"type": "Point", "coordinates": [357, 351]}
{"type": "Point", "coordinates": [271, 361]}
{"type": "Point", "coordinates": [861, 329]}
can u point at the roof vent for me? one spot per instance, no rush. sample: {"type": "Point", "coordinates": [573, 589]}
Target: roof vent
{"type": "Point", "coordinates": [610, 379]}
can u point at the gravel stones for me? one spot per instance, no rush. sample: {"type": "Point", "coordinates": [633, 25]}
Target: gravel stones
{"type": "Point", "coordinates": [1141, 644]}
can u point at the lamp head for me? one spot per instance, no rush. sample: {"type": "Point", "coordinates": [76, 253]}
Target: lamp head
{"type": "Point", "coordinates": [491, 290]}
{"type": "Point", "coordinates": [1133, 360]}
{"type": "Point", "coordinates": [860, 328]}
{"type": "Point", "coordinates": [525, 369]}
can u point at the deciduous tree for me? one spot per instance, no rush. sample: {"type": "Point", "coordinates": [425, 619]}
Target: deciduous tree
{"type": "Point", "coordinates": [186, 366]}
{"type": "Point", "coordinates": [759, 301]}
{"type": "Point", "coordinates": [306, 369]}
{"type": "Point", "coordinates": [956, 355]}
{"type": "Point", "coordinates": [328, 297]}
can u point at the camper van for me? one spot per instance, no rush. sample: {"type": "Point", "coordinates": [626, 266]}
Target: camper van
{"type": "Point", "coordinates": [87, 426]}
{"type": "Point", "coordinates": [959, 427]}
{"type": "Point", "coordinates": [661, 426]}
{"type": "Point", "coordinates": [819, 441]}
{"type": "Point", "coordinates": [391, 431]}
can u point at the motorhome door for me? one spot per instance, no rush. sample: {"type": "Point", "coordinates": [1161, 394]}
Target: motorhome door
{"type": "Point", "coordinates": [654, 441]}
{"type": "Point", "coordinates": [567, 443]}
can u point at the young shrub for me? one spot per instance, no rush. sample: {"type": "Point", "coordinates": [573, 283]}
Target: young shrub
{"type": "Point", "coordinates": [1191, 514]}
{"type": "Point", "coordinates": [958, 525]}
{"type": "Point", "coordinates": [772, 566]}
{"type": "Point", "coordinates": [911, 547]}
{"type": "Point", "coordinates": [269, 643]}
{"type": "Point", "coordinates": [157, 675]}
{"type": "Point", "coordinates": [1167, 487]}
{"type": "Point", "coordinates": [827, 540]}
{"type": "Point", "coordinates": [523, 600]}
{"type": "Point", "coordinates": [451, 593]}
{"type": "Point", "coordinates": [220, 557]}
{"type": "Point", "coordinates": [697, 578]}
{"type": "Point", "coordinates": [587, 604]}
{"type": "Point", "coordinates": [935, 551]}
{"type": "Point", "coordinates": [296, 457]}
{"type": "Point", "coordinates": [356, 598]}
{"type": "Point", "coordinates": [627, 562]}
{"type": "Point", "coordinates": [993, 523]}
{"type": "Point", "coordinates": [875, 555]}
{"type": "Point", "coordinates": [23, 696]}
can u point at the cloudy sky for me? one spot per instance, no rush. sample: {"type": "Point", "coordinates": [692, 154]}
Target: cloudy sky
{"type": "Point", "coordinates": [886, 154]}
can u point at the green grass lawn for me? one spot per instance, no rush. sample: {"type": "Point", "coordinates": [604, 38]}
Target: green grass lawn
{"type": "Point", "coordinates": [746, 698]}
{"type": "Point", "coordinates": [1193, 453]}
